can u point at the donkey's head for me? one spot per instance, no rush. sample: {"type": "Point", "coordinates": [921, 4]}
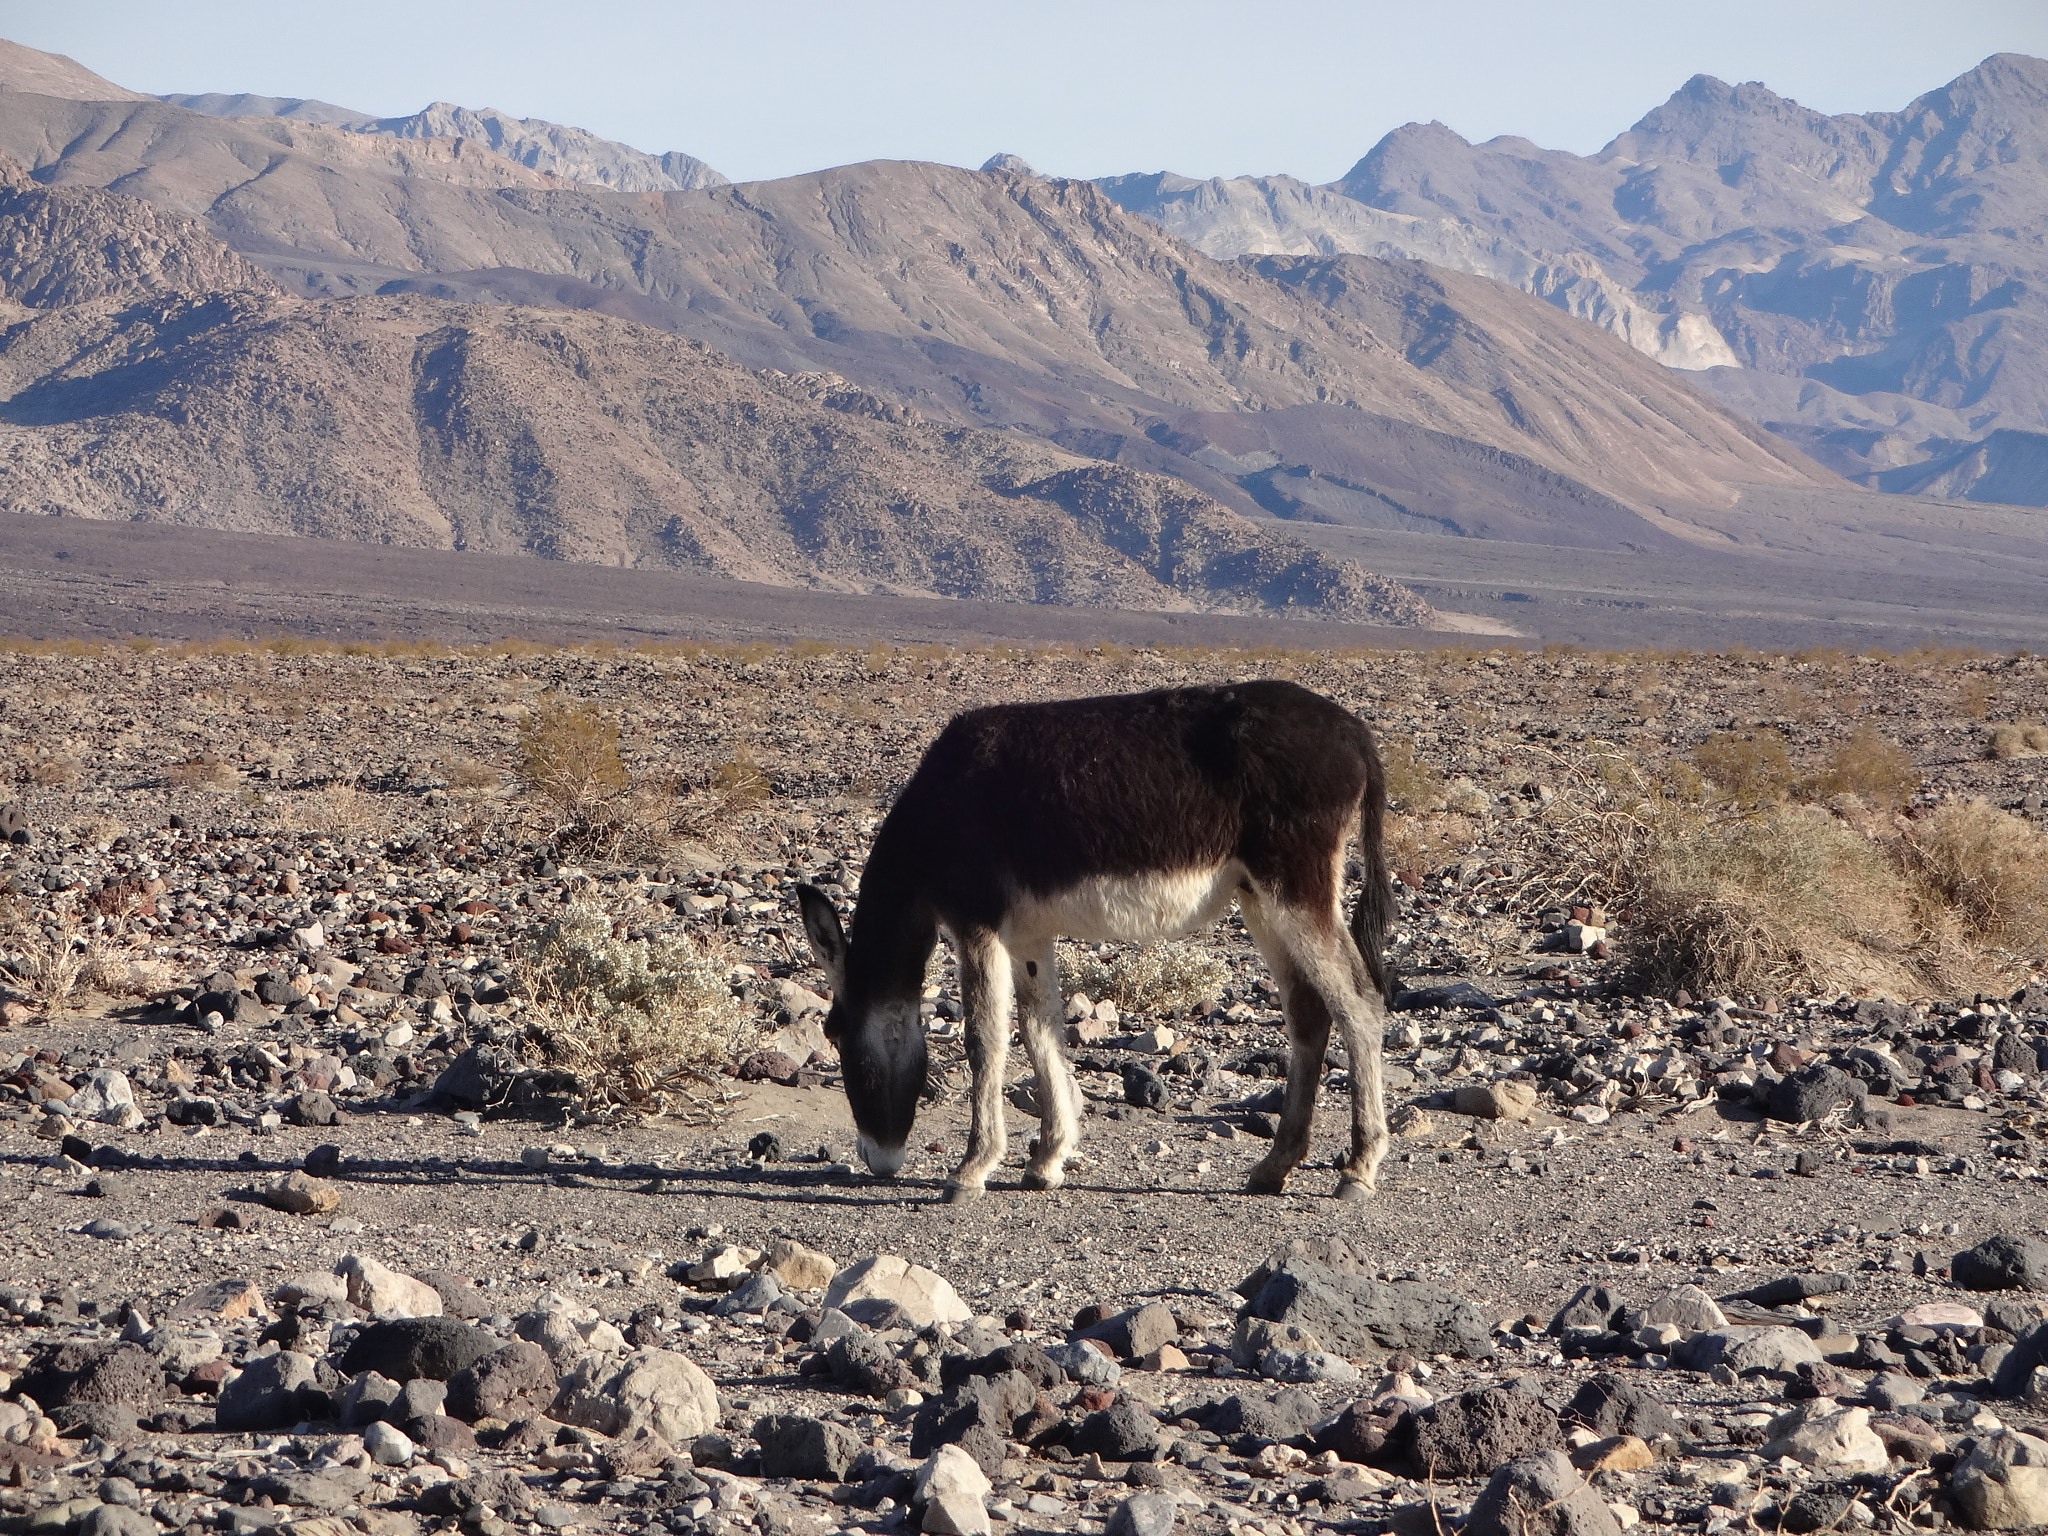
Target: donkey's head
{"type": "Point", "coordinates": [879, 1029]}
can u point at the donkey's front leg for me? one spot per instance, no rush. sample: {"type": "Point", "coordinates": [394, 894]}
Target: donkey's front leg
{"type": "Point", "coordinates": [985, 993]}
{"type": "Point", "coordinates": [1038, 1017]}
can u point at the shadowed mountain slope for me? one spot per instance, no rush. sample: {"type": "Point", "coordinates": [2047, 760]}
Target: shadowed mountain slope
{"type": "Point", "coordinates": [147, 373]}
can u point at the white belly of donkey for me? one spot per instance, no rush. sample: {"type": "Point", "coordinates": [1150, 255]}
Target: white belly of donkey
{"type": "Point", "coordinates": [1133, 909]}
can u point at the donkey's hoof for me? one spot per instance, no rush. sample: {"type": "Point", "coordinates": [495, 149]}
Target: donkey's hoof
{"type": "Point", "coordinates": [1352, 1190]}
{"type": "Point", "coordinates": [1035, 1180]}
{"type": "Point", "coordinates": [963, 1194]}
{"type": "Point", "coordinates": [1266, 1184]}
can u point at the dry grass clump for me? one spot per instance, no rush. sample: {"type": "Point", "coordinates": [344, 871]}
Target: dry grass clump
{"type": "Point", "coordinates": [1160, 978]}
{"type": "Point", "coordinates": [46, 956]}
{"type": "Point", "coordinates": [569, 755]}
{"type": "Point", "coordinates": [1874, 770]}
{"type": "Point", "coordinates": [469, 773]}
{"type": "Point", "coordinates": [2018, 738]}
{"type": "Point", "coordinates": [1788, 898]}
{"type": "Point", "coordinates": [1417, 843]}
{"type": "Point", "coordinates": [740, 780]}
{"type": "Point", "coordinates": [52, 770]}
{"type": "Point", "coordinates": [1750, 767]}
{"type": "Point", "coordinates": [125, 973]}
{"type": "Point", "coordinates": [1411, 783]}
{"type": "Point", "coordinates": [631, 1018]}
{"type": "Point", "coordinates": [205, 771]}
{"type": "Point", "coordinates": [341, 811]}
{"type": "Point", "coordinates": [1987, 866]}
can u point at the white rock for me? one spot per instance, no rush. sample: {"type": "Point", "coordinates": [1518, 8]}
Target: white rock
{"type": "Point", "coordinates": [653, 1389]}
{"type": "Point", "coordinates": [797, 1267]}
{"type": "Point", "coordinates": [313, 1286]}
{"type": "Point", "coordinates": [566, 1331]}
{"type": "Point", "coordinates": [928, 1297]}
{"type": "Point", "coordinates": [385, 1293]}
{"type": "Point", "coordinates": [1685, 1307]}
{"type": "Point", "coordinates": [2003, 1482]}
{"type": "Point", "coordinates": [388, 1445]}
{"type": "Point", "coordinates": [105, 1094]}
{"type": "Point", "coordinates": [954, 1493]}
{"type": "Point", "coordinates": [1840, 1441]}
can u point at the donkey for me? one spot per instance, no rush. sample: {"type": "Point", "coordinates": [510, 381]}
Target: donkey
{"type": "Point", "coordinates": [1134, 817]}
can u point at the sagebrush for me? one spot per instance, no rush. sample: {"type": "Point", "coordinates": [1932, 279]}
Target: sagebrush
{"type": "Point", "coordinates": [1160, 978]}
{"type": "Point", "coordinates": [631, 1017]}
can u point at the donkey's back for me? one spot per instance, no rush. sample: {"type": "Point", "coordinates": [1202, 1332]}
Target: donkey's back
{"type": "Point", "coordinates": [1034, 800]}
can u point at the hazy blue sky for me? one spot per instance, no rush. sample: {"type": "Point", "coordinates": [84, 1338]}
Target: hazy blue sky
{"type": "Point", "coordinates": [1078, 87]}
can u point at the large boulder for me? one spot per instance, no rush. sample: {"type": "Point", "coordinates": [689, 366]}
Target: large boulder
{"type": "Point", "coordinates": [567, 1331]}
{"type": "Point", "coordinates": [1820, 1435]}
{"type": "Point", "coordinates": [1769, 1351]}
{"type": "Point", "coordinates": [385, 1293]}
{"type": "Point", "coordinates": [407, 1348]}
{"type": "Point", "coordinates": [1137, 1331]}
{"type": "Point", "coordinates": [2002, 1263]}
{"type": "Point", "coordinates": [514, 1381]}
{"type": "Point", "coordinates": [1355, 1315]}
{"type": "Point", "coordinates": [654, 1389]}
{"type": "Point", "coordinates": [1123, 1431]}
{"type": "Point", "coordinates": [2002, 1483]}
{"type": "Point", "coordinates": [272, 1392]}
{"type": "Point", "coordinates": [795, 1445]}
{"type": "Point", "coordinates": [1540, 1495]}
{"type": "Point", "coordinates": [1471, 1434]}
{"type": "Point", "coordinates": [952, 1492]}
{"type": "Point", "coordinates": [63, 1374]}
{"type": "Point", "coordinates": [1608, 1405]}
{"type": "Point", "coordinates": [1810, 1092]}
{"type": "Point", "coordinates": [861, 1291]}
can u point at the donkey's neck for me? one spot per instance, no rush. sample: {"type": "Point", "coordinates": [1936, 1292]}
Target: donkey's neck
{"type": "Point", "coordinates": [894, 932]}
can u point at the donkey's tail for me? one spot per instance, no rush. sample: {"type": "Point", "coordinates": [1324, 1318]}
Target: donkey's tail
{"type": "Point", "coordinates": [1375, 912]}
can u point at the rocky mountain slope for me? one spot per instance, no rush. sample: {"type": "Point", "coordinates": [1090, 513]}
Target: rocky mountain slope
{"type": "Point", "coordinates": [574, 154]}
{"type": "Point", "coordinates": [1865, 285]}
{"type": "Point", "coordinates": [993, 299]}
{"type": "Point", "coordinates": [148, 373]}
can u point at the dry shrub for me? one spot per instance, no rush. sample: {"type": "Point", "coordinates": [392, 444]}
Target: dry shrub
{"type": "Point", "coordinates": [206, 771]}
{"type": "Point", "coordinates": [468, 773]}
{"type": "Point", "coordinates": [52, 770]}
{"type": "Point", "coordinates": [1160, 978]}
{"type": "Point", "coordinates": [741, 780]}
{"type": "Point", "coordinates": [46, 955]}
{"type": "Point", "coordinates": [1417, 843]}
{"type": "Point", "coordinates": [341, 811]}
{"type": "Point", "coordinates": [631, 1018]}
{"type": "Point", "coordinates": [569, 755]}
{"type": "Point", "coordinates": [1746, 766]}
{"type": "Point", "coordinates": [1411, 784]}
{"type": "Point", "coordinates": [1788, 899]}
{"type": "Point", "coordinates": [1874, 770]}
{"type": "Point", "coordinates": [126, 973]}
{"type": "Point", "coordinates": [1975, 694]}
{"type": "Point", "coordinates": [2019, 738]}
{"type": "Point", "coordinates": [1987, 866]}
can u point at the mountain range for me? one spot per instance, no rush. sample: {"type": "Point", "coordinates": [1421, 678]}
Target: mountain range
{"type": "Point", "coordinates": [463, 329]}
{"type": "Point", "coordinates": [1868, 286]}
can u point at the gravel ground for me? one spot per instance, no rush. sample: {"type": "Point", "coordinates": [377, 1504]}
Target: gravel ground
{"type": "Point", "coordinates": [211, 809]}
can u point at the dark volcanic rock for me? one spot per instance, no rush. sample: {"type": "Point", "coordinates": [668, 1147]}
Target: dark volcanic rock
{"type": "Point", "coordinates": [1471, 1434]}
{"type": "Point", "coordinates": [794, 1445]}
{"type": "Point", "coordinates": [408, 1347]}
{"type": "Point", "coordinates": [2002, 1263]}
{"type": "Point", "coordinates": [1123, 1431]}
{"type": "Point", "coordinates": [1353, 1315]}
{"type": "Point", "coordinates": [1608, 1405]}
{"type": "Point", "coordinates": [512, 1381]}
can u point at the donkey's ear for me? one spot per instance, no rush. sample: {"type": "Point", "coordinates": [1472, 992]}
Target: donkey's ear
{"type": "Point", "coordinates": [828, 939]}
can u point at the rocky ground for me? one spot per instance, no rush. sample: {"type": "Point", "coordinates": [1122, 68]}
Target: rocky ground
{"type": "Point", "coordinates": [1634, 1259]}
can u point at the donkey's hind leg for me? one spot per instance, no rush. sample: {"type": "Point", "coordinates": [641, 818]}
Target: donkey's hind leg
{"type": "Point", "coordinates": [1308, 1036]}
{"type": "Point", "coordinates": [1327, 961]}
{"type": "Point", "coordinates": [1059, 1097]}
{"type": "Point", "coordinates": [985, 993]}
